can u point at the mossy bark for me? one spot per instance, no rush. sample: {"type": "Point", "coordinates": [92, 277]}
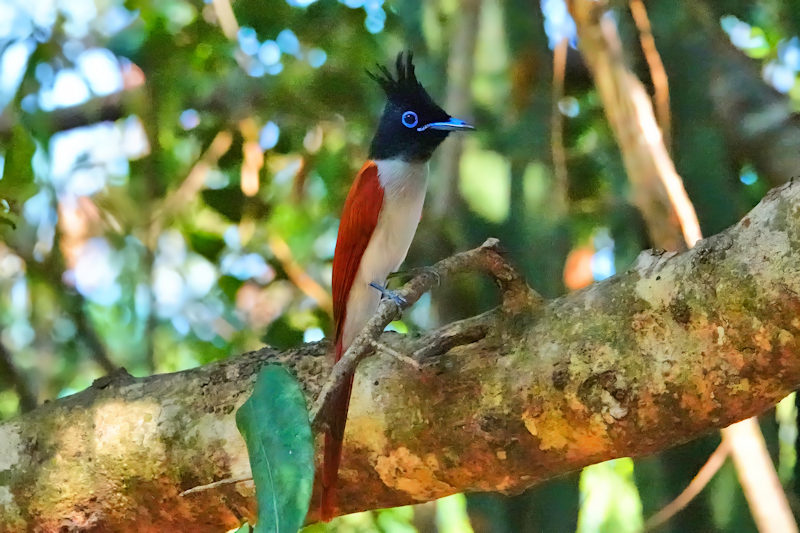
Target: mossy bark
{"type": "Point", "coordinates": [677, 346]}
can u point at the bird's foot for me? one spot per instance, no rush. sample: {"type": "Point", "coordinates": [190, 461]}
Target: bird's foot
{"type": "Point", "coordinates": [390, 295]}
{"type": "Point", "coordinates": [405, 359]}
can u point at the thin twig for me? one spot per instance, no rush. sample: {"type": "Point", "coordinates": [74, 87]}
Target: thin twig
{"type": "Point", "coordinates": [658, 74]}
{"type": "Point", "coordinates": [298, 276]}
{"type": "Point", "coordinates": [704, 475]}
{"type": "Point", "coordinates": [557, 122]}
{"type": "Point", "coordinates": [226, 481]}
{"type": "Point", "coordinates": [405, 359]}
{"type": "Point", "coordinates": [226, 18]}
{"type": "Point", "coordinates": [192, 184]}
{"type": "Point", "coordinates": [458, 101]}
{"type": "Point", "coordinates": [74, 304]}
{"type": "Point", "coordinates": [758, 478]}
{"type": "Point", "coordinates": [252, 157]}
{"type": "Point", "coordinates": [517, 296]}
{"type": "Point", "coordinates": [89, 335]}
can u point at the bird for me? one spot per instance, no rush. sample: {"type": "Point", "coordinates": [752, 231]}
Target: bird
{"type": "Point", "coordinates": [378, 222]}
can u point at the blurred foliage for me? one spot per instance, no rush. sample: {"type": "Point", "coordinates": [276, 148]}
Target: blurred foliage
{"type": "Point", "coordinates": [158, 159]}
{"type": "Point", "coordinates": [610, 500]}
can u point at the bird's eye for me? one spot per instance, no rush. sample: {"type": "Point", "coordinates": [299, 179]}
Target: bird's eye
{"type": "Point", "coordinates": [409, 119]}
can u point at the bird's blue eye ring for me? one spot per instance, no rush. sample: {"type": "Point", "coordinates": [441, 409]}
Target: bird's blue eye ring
{"type": "Point", "coordinates": [409, 119]}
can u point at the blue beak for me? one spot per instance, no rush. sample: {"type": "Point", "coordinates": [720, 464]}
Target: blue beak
{"type": "Point", "coordinates": [454, 124]}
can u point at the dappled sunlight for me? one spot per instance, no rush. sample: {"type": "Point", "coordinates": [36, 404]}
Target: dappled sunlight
{"type": "Point", "coordinates": [172, 175]}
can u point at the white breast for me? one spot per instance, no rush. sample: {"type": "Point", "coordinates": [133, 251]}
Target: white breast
{"type": "Point", "coordinates": [404, 186]}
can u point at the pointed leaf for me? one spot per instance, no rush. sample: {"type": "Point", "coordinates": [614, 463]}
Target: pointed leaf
{"type": "Point", "coordinates": [274, 424]}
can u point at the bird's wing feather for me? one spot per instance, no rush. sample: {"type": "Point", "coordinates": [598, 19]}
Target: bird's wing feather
{"type": "Point", "coordinates": [359, 218]}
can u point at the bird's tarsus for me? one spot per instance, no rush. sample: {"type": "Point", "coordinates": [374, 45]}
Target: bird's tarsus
{"type": "Point", "coordinates": [391, 295]}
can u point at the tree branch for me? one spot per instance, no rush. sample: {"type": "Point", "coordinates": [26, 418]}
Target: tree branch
{"type": "Point", "coordinates": [678, 345]}
{"type": "Point", "coordinates": [517, 297]}
{"type": "Point", "coordinates": [656, 188]}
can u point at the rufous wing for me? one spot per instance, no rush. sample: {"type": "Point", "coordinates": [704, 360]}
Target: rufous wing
{"type": "Point", "coordinates": [359, 218]}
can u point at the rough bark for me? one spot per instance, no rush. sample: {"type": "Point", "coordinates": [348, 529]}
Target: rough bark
{"type": "Point", "coordinates": [678, 345]}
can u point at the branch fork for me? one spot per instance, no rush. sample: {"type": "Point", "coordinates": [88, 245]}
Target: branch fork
{"type": "Point", "coordinates": [488, 257]}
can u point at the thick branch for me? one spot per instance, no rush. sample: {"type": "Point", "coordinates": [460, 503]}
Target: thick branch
{"type": "Point", "coordinates": [675, 347]}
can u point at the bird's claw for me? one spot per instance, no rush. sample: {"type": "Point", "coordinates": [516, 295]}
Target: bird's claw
{"type": "Point", "coordinates": [390, 295]}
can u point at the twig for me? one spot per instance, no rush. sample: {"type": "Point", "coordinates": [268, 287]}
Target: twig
{"type": "Point", "coordinates": [192, 184]}
{"type": "Point", "coordinates": [658, 73]}
{"type": "Point", "coordinates": [252, 157]}
{"type": "Point", "coordinates": [298, 275]}
{"type": "Point", "coordinates": [656, 186]}
{"type": "Point", "coordinates": [517, 296]}
{"type": "Point", "coordinates": [704, 475]}
{"type": "Point", "coordinates": [405, 359]}
{"type": "Point", "coordinates": [458, 101]}
{"type": "Point", "coordinates": [87, 332]}
{"type": "Point", "coordinates": [757, 476]}
{"type": "Point", "coordinates": [74, 304]}
{"type": "Point", "coordinates": [557, 122]}
{"type": "Point", "coordinates": [226, 481]}
{"type": "Point", "coordinates": [459, 333]}
{"type": "Point", "coordinates": [226, 18]}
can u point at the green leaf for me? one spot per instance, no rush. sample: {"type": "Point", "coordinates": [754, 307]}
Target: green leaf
{"type": "Point", "coordinates": [282, 334]}
{"type": "Point", "coordinates": [207, 244]}
{"type": "Point", "coordinates": [229, 286]}
{"type": "Point", "coordinates": [16, 176]}
{"type": "Point", "coordinates": [18, 172]}
{"type": "Point", "coordinates": [228, 202]}
{"type": "Point", "coordinates": [275, 427]}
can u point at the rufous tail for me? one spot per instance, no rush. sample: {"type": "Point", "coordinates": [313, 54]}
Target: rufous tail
{"type": "Point", "coordinates": [334, 437]}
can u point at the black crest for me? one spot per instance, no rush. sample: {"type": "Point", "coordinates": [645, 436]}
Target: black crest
{"type": "Point", "coordinates": [405, 94]}
{"type": "Point", "coordinates": [404, 87]}
{"type": "Point", "coordinates": [406, 81]}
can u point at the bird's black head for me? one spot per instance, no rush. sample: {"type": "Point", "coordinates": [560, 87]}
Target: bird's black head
{"type": "Point", "coordinates": [412, 125]}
